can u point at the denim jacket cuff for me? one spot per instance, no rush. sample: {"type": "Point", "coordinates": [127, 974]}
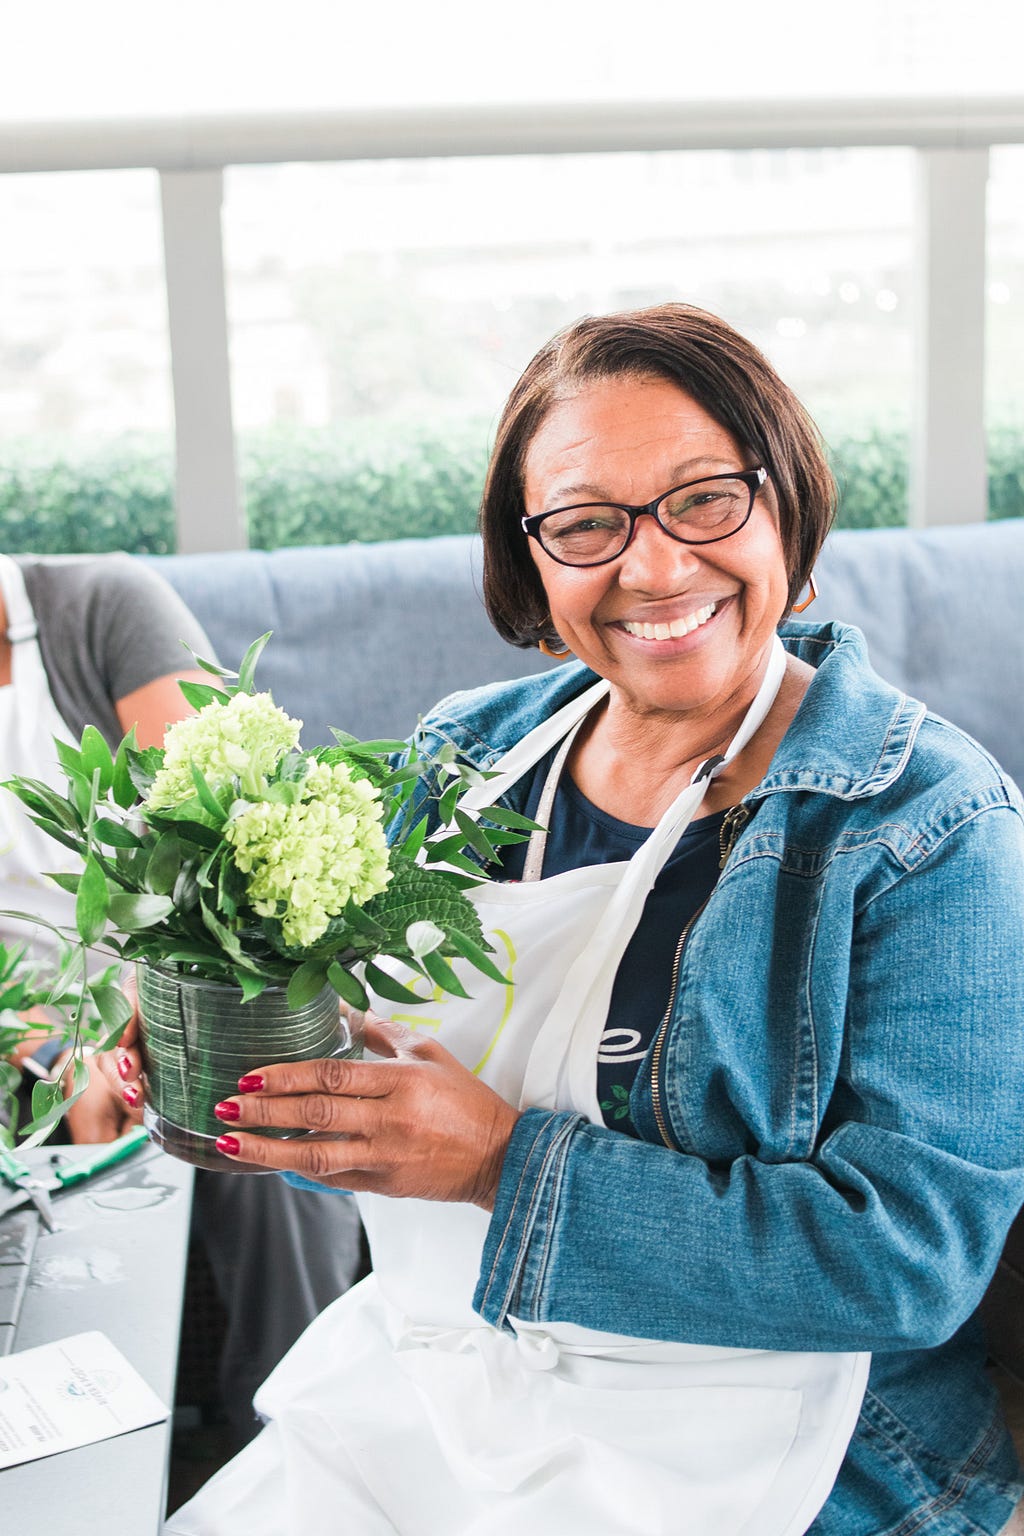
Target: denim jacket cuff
{"type": "Point", "coordinates": [515, 1253]}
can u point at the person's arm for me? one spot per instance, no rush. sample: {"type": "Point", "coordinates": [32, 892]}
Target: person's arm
{"type": "Point", "coordinates": [156, 705]}
{"type": "Point", "coordinates": [887, 1237]}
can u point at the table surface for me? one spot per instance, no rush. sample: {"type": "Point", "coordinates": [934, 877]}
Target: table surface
{"type": "Point", "coordinates": [115, 1263]}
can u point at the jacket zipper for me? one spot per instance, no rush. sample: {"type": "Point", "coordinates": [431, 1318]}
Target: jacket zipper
{"type": "Point", "coordinates": [733, 823]}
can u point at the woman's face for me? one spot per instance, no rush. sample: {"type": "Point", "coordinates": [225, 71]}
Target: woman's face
{"type": "Point", "coordinates": [628, 440]}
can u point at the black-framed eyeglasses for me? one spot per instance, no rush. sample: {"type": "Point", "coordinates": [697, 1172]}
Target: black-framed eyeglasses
{"type": "Point", "coordinates": [699, 512]}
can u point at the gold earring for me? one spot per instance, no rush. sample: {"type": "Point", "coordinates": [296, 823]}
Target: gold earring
{"type": "Point", "coordinates": [546, 649]}
{"type": "Point", "coordinates": [799, 607]}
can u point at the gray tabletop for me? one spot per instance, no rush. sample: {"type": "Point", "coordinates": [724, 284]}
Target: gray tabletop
{"type": "Point", "coordinates": [117, 1264]}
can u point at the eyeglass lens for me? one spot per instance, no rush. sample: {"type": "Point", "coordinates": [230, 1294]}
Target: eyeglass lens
{"type": "Point", "coordinates": [696, 514]}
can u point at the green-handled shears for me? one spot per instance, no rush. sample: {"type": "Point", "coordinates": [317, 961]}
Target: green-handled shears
{"type": "Point", "coordinates": [37, 1186]}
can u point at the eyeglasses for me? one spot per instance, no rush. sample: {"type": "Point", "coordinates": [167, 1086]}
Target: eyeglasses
{"type": "Point", "coordinates": [699, 512]}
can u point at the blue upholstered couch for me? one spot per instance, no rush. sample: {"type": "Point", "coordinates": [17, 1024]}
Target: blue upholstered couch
{"type": "Point", "coordinates": [368, 636]}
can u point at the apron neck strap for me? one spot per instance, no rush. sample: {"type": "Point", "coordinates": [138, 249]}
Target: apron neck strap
{"type": "Point", "coordinates": [685, 805]}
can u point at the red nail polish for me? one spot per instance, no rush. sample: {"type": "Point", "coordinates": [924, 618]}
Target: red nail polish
{"type": "Point", "coordinates": [227, 1110]}
{"type": "Point", "coordinates": [251, 1083]}
{"type": "Point", "coordinates": [228, 1144]}
{"type": "Point", "coordinates": [130, 1096]}
{"type": "Point", "coordinates": [124, 1065]}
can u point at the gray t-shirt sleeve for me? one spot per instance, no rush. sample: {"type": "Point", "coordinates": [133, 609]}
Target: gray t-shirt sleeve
{"type": "Point", "coordinates": [108, 625]}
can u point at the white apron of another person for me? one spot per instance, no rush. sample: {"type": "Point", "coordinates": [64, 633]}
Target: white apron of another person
{"type": "Point", "coordinates": [29, 721]}
{"type": "Point", "coordinates": [401, 1411]}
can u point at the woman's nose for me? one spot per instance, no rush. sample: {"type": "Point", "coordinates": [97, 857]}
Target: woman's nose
{"type": "Point", "coordinates": [655, 562]}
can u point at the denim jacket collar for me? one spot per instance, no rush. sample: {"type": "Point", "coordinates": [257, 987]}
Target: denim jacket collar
{"type": "Point", "coordinates": [853, 733]}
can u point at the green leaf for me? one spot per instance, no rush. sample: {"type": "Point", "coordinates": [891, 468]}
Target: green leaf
{"type": "Point", "coordinates": [447, 852]}
{"type": "Point", "coordinates": [476, 957]}
{"type": "Point", "coordinates": [184, 820]}
{"type": "Point", "coordinates": [131, 912]}
{"type": "Point", "coordinates": [410, 845]}
{"type": "Point", "coordinates": [474, 834]}
{"type": "Point", "coordinates": [41, 800]}
{"type": "Point", "coordinates": [207, 799]}
{"type": "Point", "coordinates": [440, 971]}
{"type": "Point", "coordinates": [385, 985]}
{"type": "Point", "coordinates": [112, 1006]}
{"type": "Point", "coordinates": [506, 818]}
{"type": "Point", "coordinates": [164, 863]}
{"type": "Point", "coordinates": [247, 670]}
{"type": "Point", "coordinates": [308, 982]}
{"type": "Point", "coordinates": [201, 694]}
{"type": "Point", "coordinates": [69, 757]}
{"type": "Point", "coordinates": [212, 667]}
{"type": "Point", "coordinates": [47, 1109]}
{"type": "Point", "coordinates": [357, 748]}
{"type": "Point", "coordinates": [185, 892]}
{"type": "Point", "coordinates": [447, 803]}
{"type": "Point", "coordinates": [252, 986]}
{"type": "Point", "coordinates": [143, 766]}
{"type": "Point", "coordinates": [414, 894]}
{"type": "Point", "coordinates": [347, 986]}
{"type": "Point", "coordinates": [227, 940]}
{"type": "Point", "coordinates": [114, 835]}
{"type": "Point", "coordinates": [96, 756]}
{"type": "Point", "coordinates": [92, 902]}
{"type": "Point", "coordinates": [76, 842]}
{"type": "Point", "coordinates": [121, 787]}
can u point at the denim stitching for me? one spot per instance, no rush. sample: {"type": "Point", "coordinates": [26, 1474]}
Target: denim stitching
{"type": "Point", "coordinates": [974, 812]}
{"type": "Point", "coordinates": [812, 1041]}
{"type": "Point", "coordinates": [519, 1187]}
{"type": "Point", "coordinates": [527, 1223]}
{"type": "Point", "coordinates": [954, 1492]}
{"type": "Point", "coordinates": [515, 1289]}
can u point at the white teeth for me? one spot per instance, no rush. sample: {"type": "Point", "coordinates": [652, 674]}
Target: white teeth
{"type": "Point", "coordinates": [674, 631]}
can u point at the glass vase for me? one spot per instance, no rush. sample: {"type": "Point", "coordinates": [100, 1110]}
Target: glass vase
{"type": "Point", "coordinates": [197, 1039]}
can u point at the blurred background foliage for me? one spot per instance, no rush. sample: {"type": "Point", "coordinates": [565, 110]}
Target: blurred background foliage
{"type": "Point", "coordinates": [373, 481]}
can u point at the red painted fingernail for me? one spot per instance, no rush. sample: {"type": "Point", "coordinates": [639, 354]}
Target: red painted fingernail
{"type": "Point", "coordinates": [251, 1083]}
{"type": "Point", "coordinates": [130, 1096]}
{"type": "Point", "coordinates": [227, 1110]}
{"type": "Point", "coordinates": [124, 1065]}
{"type": "Point", "coordinates": [229, 1144]}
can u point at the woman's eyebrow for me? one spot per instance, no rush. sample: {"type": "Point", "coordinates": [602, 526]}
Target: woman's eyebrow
{"type": "Point", "coordinates": [679, 474]}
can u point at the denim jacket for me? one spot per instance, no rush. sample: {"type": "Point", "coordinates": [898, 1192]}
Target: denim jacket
{"type": "Point", "coordinates": [833, 1116]}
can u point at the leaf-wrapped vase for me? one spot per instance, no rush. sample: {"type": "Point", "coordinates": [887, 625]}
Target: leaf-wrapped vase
{"type": "Point", "coordinates": [199, 1037]}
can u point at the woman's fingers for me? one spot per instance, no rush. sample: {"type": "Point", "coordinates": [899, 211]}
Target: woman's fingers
{"type": "Point", "coordinates": [329, 1161]}
{"type": "Point", "coordinates": [416, 1123]}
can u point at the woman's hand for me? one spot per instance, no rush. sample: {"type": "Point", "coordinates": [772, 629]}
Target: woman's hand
{"type": "Point", "coordinates": [100, 1113]}
{"type": "Point", "coordinates": [121, 1068]}
{"type": "Point", "coordinates": [418, 1124]}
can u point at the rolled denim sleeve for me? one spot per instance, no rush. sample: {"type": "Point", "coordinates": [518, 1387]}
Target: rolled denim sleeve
{"type": "Point", "coordinates": [885, 1235]}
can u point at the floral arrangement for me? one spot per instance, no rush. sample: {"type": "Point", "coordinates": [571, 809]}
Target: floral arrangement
{"type": "Point", "coordinates": [233, 854]}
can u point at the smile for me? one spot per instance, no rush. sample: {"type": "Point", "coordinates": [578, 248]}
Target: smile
{"type": "Point", "coordinates": [674, 631]}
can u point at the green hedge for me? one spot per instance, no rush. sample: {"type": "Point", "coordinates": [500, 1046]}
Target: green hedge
{"type": "Point", "coordinates": [369, 482]}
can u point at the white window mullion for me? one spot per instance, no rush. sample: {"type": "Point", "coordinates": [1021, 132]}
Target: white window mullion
{"type": "Point", "coordinates": [209, 508]}
{"type": "Point", "coordinates": [948, 472]}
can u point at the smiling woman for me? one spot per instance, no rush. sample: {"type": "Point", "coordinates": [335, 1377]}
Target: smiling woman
{"type": "Point", "coordinates": [696, 1213]}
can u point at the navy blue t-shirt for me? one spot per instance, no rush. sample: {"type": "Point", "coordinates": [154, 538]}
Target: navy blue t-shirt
{"type": "Point", "coordinates": [582, 834]}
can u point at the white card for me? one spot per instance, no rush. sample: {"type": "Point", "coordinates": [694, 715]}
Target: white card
{"type": "Point", "coordinates": [70, 1393]}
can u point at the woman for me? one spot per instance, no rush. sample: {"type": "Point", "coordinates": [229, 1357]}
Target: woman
{"type": "Point", "coordinates": [749, 1114]}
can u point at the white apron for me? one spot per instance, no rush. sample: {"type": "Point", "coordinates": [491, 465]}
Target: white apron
{"type": "Point", "coordinates": [29, 720]}
{"type": "Point", "coordinates": [400, 1411]}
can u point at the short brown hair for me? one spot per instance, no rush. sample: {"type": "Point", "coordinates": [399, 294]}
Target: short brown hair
{"type": "Point", "coordinates": [726, 375]}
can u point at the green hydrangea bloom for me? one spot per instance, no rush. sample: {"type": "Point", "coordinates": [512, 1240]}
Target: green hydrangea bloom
{"type": "Point", "coordinates": [306, 861]}
{"type": "Point", "coordinates": [243, 740]}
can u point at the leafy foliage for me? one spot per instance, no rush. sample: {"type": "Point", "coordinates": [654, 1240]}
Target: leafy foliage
{"type": "Point", "coordinates": [93, 1014]}
{"type": "Point", "coordinates": [367, 481]}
